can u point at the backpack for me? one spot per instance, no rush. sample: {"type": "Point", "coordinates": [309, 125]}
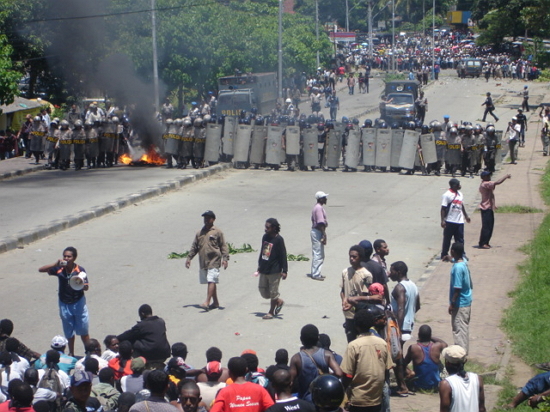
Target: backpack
{"type": "Point", "coordinates": [393, 337]}
{"type": "Point", "coordinates": [52, 381]}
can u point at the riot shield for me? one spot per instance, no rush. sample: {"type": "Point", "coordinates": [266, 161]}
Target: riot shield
{"type": "Point", "coordinates": [241, 145]}
{"type": "Point", "coordinates": [408, 149]}
{"type": "Point", "coordinates": [229, 129]}
{"type": "Point", "coordinates": [353, 149]}
{"type": "Point", "coordinates": [502, 149]}
{"type": "Point", "coordinates": [171, 143]}
{"type": "Point", "coordinates": [396, 143]}
{"type": "Point", "coordinates": [334, 148]}
{"type": "Point", "coordinates": [383, 148]}
{"type": "Point", "coordinates": [213, 141]}
{"type": "Point", "coordinates": [311, 153]}
{"type": "Point", "coordinates": [292, 140]}
{"type": "Point", "coordinates": [440, 145]}
{"type": "Point", "coordinates": [427, 142]}
{"type": "Point", "coordinates": [259, 134]}
{"type": "Point", "coordinates": [273, 145]}
{"type": "Point", "coordinates": [369, 146]}
{"type": "Point", "coordinates": [454, 154]}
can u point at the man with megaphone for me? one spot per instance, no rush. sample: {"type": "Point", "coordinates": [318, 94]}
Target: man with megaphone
{"type": "Point", "coordinates": [73, 282]}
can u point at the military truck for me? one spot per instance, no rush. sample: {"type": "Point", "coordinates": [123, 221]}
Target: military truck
{"type": "Point", "coordinates": [397, 103]}
{"type": "Point", "coordinates": [246, 92]}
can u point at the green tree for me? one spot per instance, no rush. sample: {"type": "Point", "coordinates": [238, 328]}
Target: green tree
{"type": "Point", "coordinates": [8, 76]}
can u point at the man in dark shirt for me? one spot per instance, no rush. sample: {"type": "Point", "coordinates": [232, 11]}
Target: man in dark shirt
{"type": "Point", "coordinates": [375, 268]}
{"type": "Point", "coordinates": [6, 329]}
{"type": "Point", "coordinates": [522, 121]}
{"type": "Point", "coordinates": [272, 266]}
{"type": "Point", "coordinates": [282, 383]}
{"type": "Point", "coordinates": [148, 338]}
{"type": "Point", "coordinates": [72, 302]}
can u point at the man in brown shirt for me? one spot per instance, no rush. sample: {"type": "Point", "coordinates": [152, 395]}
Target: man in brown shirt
{"type": "Point", "coordinates": [210, 245]}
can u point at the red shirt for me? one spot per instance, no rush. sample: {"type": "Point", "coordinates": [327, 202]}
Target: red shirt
{"type": "Point", "coordinates": [242, 397]}
{"type": "Point", "coordinates": [6, 407]}
{"type": "Point", "coordinates": [114, 364]}
{"type": "Point", "coordinates": [487, 188]}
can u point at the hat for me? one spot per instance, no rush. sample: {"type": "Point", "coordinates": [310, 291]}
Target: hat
{"type": "Point", "coordinates": [209, 213]}
{"type": "Point", "coordinates": [520, 110]}
{"type": "Point", "coordinates": [454, 354]}
{"type": "Point", "coordinates": [177, 362]}
{"type": "Point", "coordinates": [59, 342]}
{"type": "Point", "coordinates": [81, 377]}
{"type": "Point", "coordinates": [213, 368]}
{"type": "Point", "coordinates": [138, 364]}
{"type": "Point", "coordinates": [515, 119]}
{"type": "Point", "coordinates": [454, 182]}
{"type": "Point", "coordinates": [446, 116]}
{"type": "Point", "coordinates": [320, 195]}
{"type": "Point", "coordinates": [485, 173]}
{"type": "Point", "coordinates": [376, 289]}
{"type": "Point", "coordinates": [525, 87]}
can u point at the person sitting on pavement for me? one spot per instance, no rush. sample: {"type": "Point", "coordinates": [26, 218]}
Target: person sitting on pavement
{"type": "Point", "coordinates": [21, 396]}
{"type": "Point", "coordinates": [111, 347]}
{"type": "Point", "coordinates": [125, 401]}
{"type": "Point", "coordinates": [285, 400]}
{"type": "Point", "coordinates": [18, 362]}
{"type": "Point", "coordinates": [176, 373]}
{"type": "Point", "coordinates": [133, 383]}
{"type": "Point", "coordinates": [425, 355]}
{"type": "Point", "coordinates": [157, 384]}
{"type": "Point", "coordinates": [211, 387]}
{"type": "Point", "coordinates": [91, 365]}
{"type": "Point", "coordinates": [7, 373]}
{"type": "Point", "coordinates": [256, 375]}
{"type": "Point", "coordinates": [92, 348]}
{"type": "Point", "coordinates": [213, 354]}
{"type": "Point", "coordinates": [6, 329]}
{"type": "Point", "coordinates": [121, 363]}
{"type": "Point", "coordinates": [105, 391]}
{"type": "Point", "coordinates": [80, 399]}
{"type": "Point", "coordinates": [190, 397]}
{"type": "Point", "coordinates": [66, 362]}
{"type": "Point", "coordinates": [52, 377]}
{"type": "Point", "coordinates": [40, 394]}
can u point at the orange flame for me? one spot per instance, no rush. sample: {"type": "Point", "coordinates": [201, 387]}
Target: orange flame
{"type": "Point", "coordinates": [151, 157]}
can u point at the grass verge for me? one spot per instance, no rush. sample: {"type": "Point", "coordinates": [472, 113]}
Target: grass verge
{"type": "Point", "coordinates": [526, 320]}
{"type": "Point", "coordinates": [517, 209]}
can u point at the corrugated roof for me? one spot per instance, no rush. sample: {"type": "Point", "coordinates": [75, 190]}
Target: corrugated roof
{"type": "Point", "coordinates": [20, 103]}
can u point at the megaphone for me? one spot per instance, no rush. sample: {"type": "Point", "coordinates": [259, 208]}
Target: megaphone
{"type": "Point", "coordinates": [77, 282]}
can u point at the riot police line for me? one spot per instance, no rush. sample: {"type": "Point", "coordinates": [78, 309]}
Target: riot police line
{"type": "Point", "coordinates": [312, 143]}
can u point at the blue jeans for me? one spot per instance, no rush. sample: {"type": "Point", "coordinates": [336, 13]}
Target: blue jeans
{"type": "Point", "coordinates": [318, 252]}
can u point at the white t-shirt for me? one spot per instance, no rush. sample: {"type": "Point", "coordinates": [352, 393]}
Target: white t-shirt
{"type": "Point", "coordinates": [455, 214]}
{"type": "Point", "coordinates": [63, 377]}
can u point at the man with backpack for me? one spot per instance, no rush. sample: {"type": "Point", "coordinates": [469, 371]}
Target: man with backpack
{"type": "Point", "coordinates": [54, 379]}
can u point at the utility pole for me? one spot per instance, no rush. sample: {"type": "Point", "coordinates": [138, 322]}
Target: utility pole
{"type": "Point", "coordinates": [347, 17]}
{"type": "Point", "coordinates": [317, 29]}
{"type": "Point", "coordinates": [155, 58]}
{"type": "Point", "coordinates": [370, 31]}
{"type": "Point", "coordinates": [393, 35]}
{"type": "Point", "coordinates": [280, 52]}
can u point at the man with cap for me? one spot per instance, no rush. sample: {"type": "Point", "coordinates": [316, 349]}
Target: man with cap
{"type": "Point", "coordinates": [525, 102]}
{"type": "Point", "coordinates": [487, 207]}
{"type": "Point", "coordinates": [211, 387]}
{"type": "Point", "coordinates": [522, 121]}
{"type": "Point", "coordinates": [66, 362]}
{"type": "Point", "coordinates": [210, 245]}
{"type": "Point", "coordinates": [81, 389]}
{"type": "Point", "coordinates": [453, 215]}
{"type": "Point", "coordinates": [318, 235]}
{"type": "Point", "coordinates": [489, 107]}
{"type": "Point", "coordinates": [462, 391]}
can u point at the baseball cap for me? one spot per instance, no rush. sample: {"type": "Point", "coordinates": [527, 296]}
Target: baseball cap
{"type": "Point", "coordinates": [209, 213]}
{"type": "Point", "coordinates": [320, 195]}
{"type": "Point", "coordinates": [81, 377]}
{"type": "Point", "coordinates": [138, 364]}
{"type": "Point", "coordinates": [446, 116]}
{"type": "Point", "coordinates": [213, 369]}
{"type": "Point", "coordinates": [454, 354]}
{"type": "Point", "coordinates": [376, 289]}
{"type": "Point", "coordinates": [59, 342]}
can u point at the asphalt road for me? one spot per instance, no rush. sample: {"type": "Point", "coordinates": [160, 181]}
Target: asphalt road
{"type": "Point", "coordinates": [125, 253]}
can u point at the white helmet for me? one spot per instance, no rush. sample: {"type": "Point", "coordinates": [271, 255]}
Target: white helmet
{"type": "Point", "coordinates": [288, 101]}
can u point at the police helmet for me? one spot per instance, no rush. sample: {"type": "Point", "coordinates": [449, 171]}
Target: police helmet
{"type": "Point", "coordinates": [490, 124]}
{"type": "Point", "coordinates": [291, 121]}
{"type": "Point", "coordinates": [55, 119]}
{"type": "Point", "coordinates": [327, 392]}
{"type": "Point", "coordinates": [367, 123]}
{"type": "Point", "coordinates": [64, 124]}
{"type": "Point", "coordinates": [377, 121]}
{"type": "Point", "coordinates": [395, 125]}
{"type": "Point", "coordinates": [329, 124]}
{"type": "Point", "coordinates": [345, 120]}
{"type": "Point", "coordinates": [436, 126]}
{"type": "Point", "coordinates": [243, 113]}
{"type": "Point", "coordinates": [382, 124]}
{"type": "Point", "coordinates": [411, 125]}
{"type": "Point", "coordinates": [478, 129]}
{"type": "Point", "coordinates": [37, 119]}
{"type": "Point", "coordinates": [54, 123]}
{"type": "Point", "coordinates": [178, 122]}
{"type": "Point", "coordinates": [254, 111]}
{"type": "Point", "coordinates": [260, 120]}
{"type": "Point", "coordinates": [355, 121]}
{"type": "Point", "coordinates": [462, 128]}
{"type": "Point", "coordinates": [187, 121]}
{"type": "Point", "coordinates": [469, 128]}
{"type": "Point", "coordinates": [425, 129]}
{"type": "Point", "coordinates": [312, 119]}
{"type": "Point", "coordinates": [467, 123]}
{"type": "Point", "coordinates": [206, 118]}
{"type": "Point", "coordinates": [87, 124]}
{"type": "Point", "coordinates": [288, 101]}
{"type": "Point", "coordinates": [115, 119]}
{"type": "Point", "coordinates": [453, 130]}
{"type": "Point", "coordinates": [78, 123]}
{"type": "Point", "coordinates": [169, 122]}
{"type": "Point", "coordinates": [302, 123]}
{"type": "Point", "coordinates": [490, 130]}
{"type": "Point", "coordinates": [321, 118]}
{"type": "Point", "coordinates": [197, 122]}
{"type": "Point", "coordinates": [320, 127]}
{"type": "Point", "coordinates": [418, 123]}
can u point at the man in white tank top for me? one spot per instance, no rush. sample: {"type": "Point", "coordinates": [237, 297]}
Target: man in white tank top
{"type": "Point", "coordinates": [462, 391]}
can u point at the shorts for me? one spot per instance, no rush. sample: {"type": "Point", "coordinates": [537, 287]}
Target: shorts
{"type": "Point", "coordinates": [316, 107]}
{"type": "Point", "coordinates": [269, 285]}
{"type": "Point", "coordinates": [74, 317]}
{"type": "Point", "coordinates": [537, 384]}
{"type": "Point", "coordinates": [209, 276]}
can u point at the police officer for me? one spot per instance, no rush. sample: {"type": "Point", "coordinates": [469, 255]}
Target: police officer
{"type": "Point", "coordinates": [171, 142]}
{"type": "Point", "coordinates": [188, 137]}
{"type": "Point", "coordinates": [51, 140]}
{"type": "Point", "coordinates": [64, 144]}
{"type": "Point", "coordinates": [79, 144]}
{"type": "Point", "coordinates": [491, 142]}
{"type": "Point", "coordinates": [467, 142]}
{"type": "Point", "coordinates": [199, 140]}
{"type": "Point", "coordinates": [38, 138]}
{"type": "Point", "coordinates": [92, 144]}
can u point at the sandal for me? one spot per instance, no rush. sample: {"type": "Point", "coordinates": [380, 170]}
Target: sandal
{"type": "Point", "coordinates": [279, 307]}
{"type": "Point", "coordinates": [267, 316]}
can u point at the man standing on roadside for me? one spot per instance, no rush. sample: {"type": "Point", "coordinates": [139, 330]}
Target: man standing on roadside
{"type": "Point", "coordinates": [460, 297]}
{"type": "Point", "coordinates": [487, 207]}
{"type": "Point", "coordinates": [272, 266]}
{"type": "Point", "coordinates": [210, 245]}
{"type": "Point", "coordinates": [462, 391]}
{"type": "Point", "coordinates": [453, 215]}
{"type": "Point", "coordinates": [318, 235]}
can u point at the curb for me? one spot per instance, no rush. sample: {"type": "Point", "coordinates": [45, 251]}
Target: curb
{"type": "Point", "coordinates": [21, 239]}
{"type": "Point", "coordinates": [20, 172]}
